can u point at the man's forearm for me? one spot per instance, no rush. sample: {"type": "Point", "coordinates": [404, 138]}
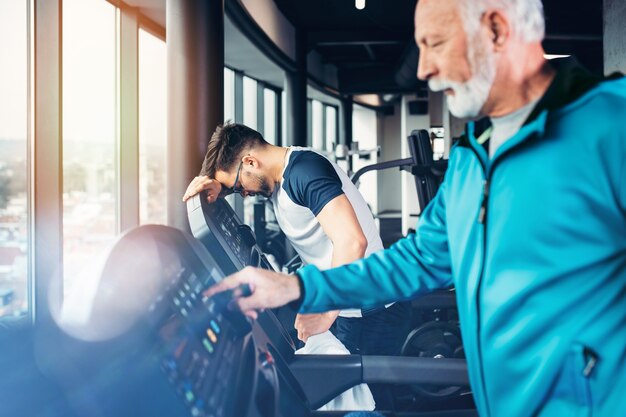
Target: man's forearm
{"type": "Point", "coordinates": [394, 274]}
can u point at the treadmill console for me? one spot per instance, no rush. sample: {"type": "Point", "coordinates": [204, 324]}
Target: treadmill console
{"type": "Point", "coordinates": [217, 226]}
{"type": "Point", "coordinates": [201, 346]}
{"type": "Point", "coordinates": [181, 354]}
{"type": "Point", "coordinates": [233, 246]}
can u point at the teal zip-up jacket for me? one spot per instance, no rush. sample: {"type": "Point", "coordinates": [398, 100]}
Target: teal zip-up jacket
{"type": "Point", "coordinates": [534, 241]}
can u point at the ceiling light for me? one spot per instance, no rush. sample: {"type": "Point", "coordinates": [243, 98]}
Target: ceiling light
{"type": "Point", "coordinates": [359, 4]}
{"type": "Point", "coordinates": [552, 56]}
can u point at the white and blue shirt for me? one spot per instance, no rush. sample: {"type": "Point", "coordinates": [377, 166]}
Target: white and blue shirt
{"type": "Point", "coordinates": [309, 182]}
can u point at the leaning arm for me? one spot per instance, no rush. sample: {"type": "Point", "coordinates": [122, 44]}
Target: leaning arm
{"type": "Point", "coordinates": [341, 226]}
{"type": "Point", "coordinates": [201, 183]}
{"type": "Point", "coordinates": [417, 264]}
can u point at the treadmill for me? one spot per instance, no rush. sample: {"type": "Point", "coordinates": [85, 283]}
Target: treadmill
{"type": "Point", "coordinates": [169, 351]}
{"type": "Point", "coordinates": [218, 228]}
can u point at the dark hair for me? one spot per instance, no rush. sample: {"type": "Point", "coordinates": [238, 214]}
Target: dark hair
{"type": "Point", "coordinates": [227, 144]}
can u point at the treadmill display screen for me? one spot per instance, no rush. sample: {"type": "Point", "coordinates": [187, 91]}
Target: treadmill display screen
{"type": "Point", "coordinates": [228, 224]}
{"type": "Point", "coordinates": [200, 349]}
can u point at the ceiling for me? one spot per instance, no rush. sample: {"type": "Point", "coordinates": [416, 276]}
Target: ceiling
{"type": "Point", "coordinates": [374, 51]}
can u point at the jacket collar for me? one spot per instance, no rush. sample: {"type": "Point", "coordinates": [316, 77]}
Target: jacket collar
{"type": "Point", "coordinates": [571, 81]}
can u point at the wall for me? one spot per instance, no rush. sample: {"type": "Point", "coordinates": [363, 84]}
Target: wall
{"type": "Point", "coordinates": [274, 24]}
{"type": "Point", "coordinates": [325, 73]}
{"type": "Point", "coordinates": [614, 36]}
{"type": "Point", "coordinates": [389, 140]}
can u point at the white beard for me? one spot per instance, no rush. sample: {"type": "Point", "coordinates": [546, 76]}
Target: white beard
{"type": "Point", "coordinates": [469, 97]}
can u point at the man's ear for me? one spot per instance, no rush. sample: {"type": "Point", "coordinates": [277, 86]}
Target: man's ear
{"type": "Point", "coordinates": [499, 28]}
{"type": "Point", "coordinates": [251, 161]}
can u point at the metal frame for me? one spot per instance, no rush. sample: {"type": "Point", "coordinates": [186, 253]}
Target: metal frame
{"type": "Point", "coordinates": [128, 110]}
{"type": "Point", "coordinates": [46, 223]}
{"type": "Point", "coordinates": [238, 99]}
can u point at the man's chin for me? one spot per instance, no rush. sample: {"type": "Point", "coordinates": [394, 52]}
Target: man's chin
{"type": "Point", "coordinates": [463, 111]}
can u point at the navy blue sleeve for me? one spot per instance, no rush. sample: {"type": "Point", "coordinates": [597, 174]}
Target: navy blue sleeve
{"type": "Point", "coordinates": [311, 181]}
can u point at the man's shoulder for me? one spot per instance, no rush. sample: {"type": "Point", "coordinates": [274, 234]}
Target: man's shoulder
{"type": "Point", "coordinates": [307, 157]}
{"type": "Point", "coordinates": [308, 165]}
{"type": "Point", "coordinates": [604, 103]}
{"type": "Point", "coordinates": [310, 180]}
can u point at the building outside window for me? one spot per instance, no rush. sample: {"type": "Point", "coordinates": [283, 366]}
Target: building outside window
{"type": "Point", "coordinates": [14, 157]}
{"type": "Point", "coordinates": [90, 139]}
{"type": "Point", "coordinates": [152, 129]}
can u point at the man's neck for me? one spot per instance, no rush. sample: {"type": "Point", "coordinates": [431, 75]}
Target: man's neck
{"type": "Point", "coordinates": [517, 85]}
{"type": "Point", "coordinates": [276, 157]}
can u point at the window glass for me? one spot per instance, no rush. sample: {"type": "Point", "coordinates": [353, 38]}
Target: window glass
{"type": "Point", "coordinates": [229, 95]}
{"type": "Point", "coordinates": [364, 125]}
{"type": "Point", "coordinates": [283, 108]}
{"type": "Point", "coordinates": [331, 127]}
{"type": "Point", "coordinates": [269, 113]}
{"type": "Point", "coordinates": [317, 125]}
{"type": "Point", "coordinates": [152, 129]}
{"type": "Point", "coordinates": [90, 165]}
{"type": "Point", "coordinates": [13, 158]}
{"type": "Point", "coordinates": [249, 102]}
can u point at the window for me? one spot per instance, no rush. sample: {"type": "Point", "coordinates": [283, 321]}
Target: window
{"type": "Point", "coordinates": [269, 113]}
{"type": "Point", "coordinates": [286, 141]}
{"type": "Point", "coordinates": [331, 127]}
{"type": "Point", "coordinates": [13, 158]}
{"type": "Point", "coordinates": [317, 125]}
{"type": "Point", "coordinates": [229, 95]}
{"type": "Point", "coordinates": [152, 129]}
{"type": "Point", "coordinates": [249, 102]}
{"type": "Point", "coordinates": [364, 125]}
{"type": "Point", "coordinates": [90, 164]}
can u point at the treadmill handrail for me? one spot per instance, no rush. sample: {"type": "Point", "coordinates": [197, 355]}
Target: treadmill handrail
{"type": "Point", "coordinates": [341, 372]}
{"type": "Point", "coordinates": [382, 165]}
{"type": "Point", "coordinates": [415, 371]}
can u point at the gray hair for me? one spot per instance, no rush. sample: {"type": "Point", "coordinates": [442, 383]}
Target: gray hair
{"type": "Point", "coordinates": [526, 16]}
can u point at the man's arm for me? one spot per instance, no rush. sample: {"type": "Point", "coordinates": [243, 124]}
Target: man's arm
{"type": "Point", "coordinates": [341, 225]}
{"type": "Point", "coordinates": [202, 183]}
{"type": "Point", "coordinates": [416, 264]}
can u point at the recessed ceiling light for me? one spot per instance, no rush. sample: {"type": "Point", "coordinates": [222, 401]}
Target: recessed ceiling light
{"type": "Point", "coordinates": [552, 56]}
{"type": "Point", "coordinates": [359, 4]}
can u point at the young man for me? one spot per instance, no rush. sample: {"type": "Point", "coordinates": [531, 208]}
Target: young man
{"type": "Point", "coordinates": [530, 226]}
{"type": "Point", "coordinates": [324, 217]}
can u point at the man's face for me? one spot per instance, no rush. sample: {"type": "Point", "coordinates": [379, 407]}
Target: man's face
{"type": "Point", "coordinates": [249, 180]}
{"type": "Point", "coordinates": [460, 65]}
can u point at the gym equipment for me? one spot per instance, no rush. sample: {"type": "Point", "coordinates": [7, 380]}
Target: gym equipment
{"type": "Point", "coordinates": [186, 355]}
{"type": "Point", "coordinates": [428, 172]}
{"type": "Point", "coordinates": [217, 225]}
{"type": "Point", "coordinates": [434, 336]}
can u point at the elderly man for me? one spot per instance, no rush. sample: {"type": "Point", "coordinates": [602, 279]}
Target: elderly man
{"type": "Point", "coordinates": [529, 224]}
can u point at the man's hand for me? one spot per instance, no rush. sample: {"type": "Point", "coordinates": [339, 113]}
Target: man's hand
{"type": "Point", "coordinates": [309, 325]}
{"type": "Point", "coordinates": [198, 184]}
{"type": "Point", "coordinates": [269, 289]}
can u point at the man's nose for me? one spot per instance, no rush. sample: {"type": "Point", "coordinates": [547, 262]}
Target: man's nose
{"type": "Point", "coordinates": [425, 66]}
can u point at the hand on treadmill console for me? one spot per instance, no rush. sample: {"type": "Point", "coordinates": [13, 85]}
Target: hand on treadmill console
{"type": "Point", "coordinates": [269, 289]}
{"type": "Point", "coordinates": [222, 303]}
{"type": "Point", "coordinates": [213, 188]}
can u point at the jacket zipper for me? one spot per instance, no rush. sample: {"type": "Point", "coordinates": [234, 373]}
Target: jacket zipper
{"type": "Point", "coordinates": [482, 214]}
{"type": "Point", "coordinates": [482, 219]}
